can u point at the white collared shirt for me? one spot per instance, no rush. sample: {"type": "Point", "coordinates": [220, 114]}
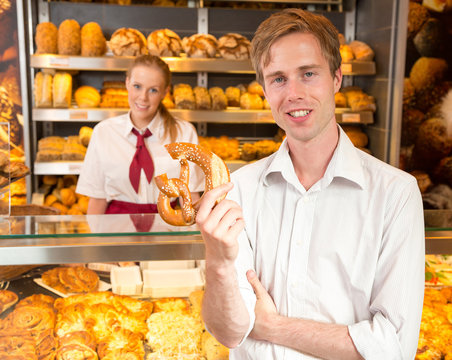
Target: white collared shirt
{"type": "Point", "coordinates": [350, 250]}
{"type": "Point", "coordinates": [105, 170]}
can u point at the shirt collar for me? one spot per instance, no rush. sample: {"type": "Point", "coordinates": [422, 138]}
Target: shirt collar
{"type": "Point", "coordinates": [154, 126]}
{"type": "Point", "coordinates": [345, 163]}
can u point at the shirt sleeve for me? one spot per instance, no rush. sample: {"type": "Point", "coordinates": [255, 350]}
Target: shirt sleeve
{"type": "Point", "coordinates": [92, 179]}
{"type": "Point", "coordinates": [397, 292]}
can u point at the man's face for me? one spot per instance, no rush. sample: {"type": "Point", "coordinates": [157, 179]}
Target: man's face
{"type": "Point", "coordinates": [299, 87]}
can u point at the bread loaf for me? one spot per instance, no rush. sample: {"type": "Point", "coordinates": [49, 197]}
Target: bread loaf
{"type": "Point", "coordinates": [362, 51]}
{"type": "Point", "coordinates": [219, 99]}
{"type": "Point", "coordinates": [92, 40]}
{"type": "Point", "coordinates": [46, 38]}
{"type": "Point", "coordinates": [87, 97]}
{"type": "Point", "coordinates": [202, 98]}
{"type": "Point", "coordinates": [69, 38]}
{"type": "Point", "coordinates": [200, 46]}
{"type": "Point", "coordinates": [164, 42]}
{"type": "Point", "coordinates": [184, 97]}
{"type": "Point", "coordinates": [62, 90]}
{"type": "Point", "coordinates": [234, 46]}
{"type": "Point", "coordinates": [128, 42]}
{"type": "Point", "coordinates": [43, 90]}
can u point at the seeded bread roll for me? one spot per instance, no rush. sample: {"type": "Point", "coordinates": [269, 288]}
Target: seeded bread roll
{"type": "Point", "coordinates": [93, 40]}
{"type": "Point", "coordinates": [164, 42]}
{"type": "Point", "coordinates": [219, 99]}
{"type": "Point", "coordinates": [202, 98]}
{"type": "Point", "coordinates": [200, 46]}
{"type": "Point", "coordinates": [46, 38]}
{"type": "Point", "coordinates": [234, 46]}
{"type": "Point", "coordinates": [69, 38]}
{"type": "Point", "coordinates": [128, 42]}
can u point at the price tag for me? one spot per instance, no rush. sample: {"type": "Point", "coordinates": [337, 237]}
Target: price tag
{"type": "Point", "coordinates": [78, 115]}
{"type": "Point", "coordinates": [351, 118]}
{"type": "Point", "coordinates": [60, 61]}
{"type": "Point", "coordinates": [75, 168]}
{"type": "Point", "coordinates": [346, 68]}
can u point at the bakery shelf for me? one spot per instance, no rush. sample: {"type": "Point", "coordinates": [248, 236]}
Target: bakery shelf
{"type": "Point", "coordinates": [74, 167]}
{"type": "Point", "coordinates": [229, 116]}
{"type": "Point", "coordinates": [176, 64]}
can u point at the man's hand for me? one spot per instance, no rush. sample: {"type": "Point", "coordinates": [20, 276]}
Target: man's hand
{"type": "Point", "coordinates": [265, 309]}
{"type": "Point", "coordinates": [220, 225]}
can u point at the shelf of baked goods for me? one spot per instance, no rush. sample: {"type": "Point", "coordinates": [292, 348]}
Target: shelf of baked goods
{"type": "Point", "coordinates": [176, 64]}
{"type": "Point", "coordinates": [95, 238]}
{"type": "Point", "coordinates": [230, 115]}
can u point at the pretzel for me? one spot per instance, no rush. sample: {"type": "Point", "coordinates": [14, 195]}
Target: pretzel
{"type": "Point", "coordinates": [215, 171]}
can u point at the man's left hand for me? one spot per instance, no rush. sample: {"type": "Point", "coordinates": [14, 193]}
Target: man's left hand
{"type": "Point", "coordinates": [265, 309]}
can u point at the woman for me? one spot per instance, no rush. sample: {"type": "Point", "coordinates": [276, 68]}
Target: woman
{"type": "Point", "coordinates": [126, 152]}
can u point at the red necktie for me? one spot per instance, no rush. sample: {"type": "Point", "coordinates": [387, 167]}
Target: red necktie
{"type": "Point", "coordinates": [141, 160]}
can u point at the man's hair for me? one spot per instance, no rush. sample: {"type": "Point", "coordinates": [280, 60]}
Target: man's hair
{"type": "Point", "coordinates": [291, 21]}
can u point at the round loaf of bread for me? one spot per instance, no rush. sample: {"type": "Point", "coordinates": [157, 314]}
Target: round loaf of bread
{"type": "Point", "coordinates": [87, 97]}
{"type": "Point", "coordinates": [200, 46]}
{"type": "Point", "coordinates": [164, 42]}
{"type": "Point", "coordinates": [69, 38]}
{"type": "Point", "coordinates": [93, 40]}
{"type": "Point", "coordinates": [46, 38]}
{"type": "Point", "coordinates": [128, 42]}
{"type": "Point", "coordinates": [234, 46]}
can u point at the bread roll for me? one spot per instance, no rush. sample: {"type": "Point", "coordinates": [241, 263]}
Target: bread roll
{"type": "Point", "coordinates": [46, 38]}
{"type": "Point", "coordinates": [340, 99]}
{"type": "Point", "coordinates": [233, 95]}
{"type": "Point", "coordinates": [202, 98]}
{"type": "Point", "coordinates": [362, 51]}
{"type": "Point", "coordinates": [219, 99]}
{"type": "Point", "coordinates": [255, 88]}
{"type": "Point", "coordinates": [128, 42]}
{"type": "Point", "coordinates": [85, 134]}
{"type": "Point", "coordinates": [234, 46]}
{"type": "Point", "coordinates": [346, 53]}
{"type": "Point", "coordinates": [250, 101]}
{"type": "Point", "coordinates": [200, 46]}
{"type": "Point", "coordinates": [87, 97]}
{"type": "Point", "coordinates": [62, 90]}
{"type": "Point", "coordinates": [168, 101]}
{"type": "Point", "coordinates": [164, 42]}
{"type": "Point", "coordinates": [43, 90]}
{"type": "Point", "coordinates": [69, 38]}
{"type": "Point", "coordinates": [93, 40]}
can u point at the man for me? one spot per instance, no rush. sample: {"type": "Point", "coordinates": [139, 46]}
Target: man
{"type": "Point", "coordinates": [318, 251]}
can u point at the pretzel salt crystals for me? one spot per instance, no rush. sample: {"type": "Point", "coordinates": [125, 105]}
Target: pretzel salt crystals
{"type": "Point", "coordinates": [216, 173]}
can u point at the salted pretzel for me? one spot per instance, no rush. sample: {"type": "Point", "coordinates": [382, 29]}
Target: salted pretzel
{"type": "Point", "coordinates": [216, 173]}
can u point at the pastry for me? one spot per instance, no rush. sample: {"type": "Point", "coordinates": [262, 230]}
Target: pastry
{"type": "Point", "coordinates": [426, 72]}
{"type": "Point", "coordinates": [46, 38]}
{"type": "Point", "coordinates": [171, 305]}
{"type": "Point", "coordinates": [16, 169]}
{"type": "Point", "coordinates": [69, 38]}
{"type": "Point", "coordinates": [164, 42]}
{"type": "Point", "coordinates": [128, 42]}
{"type": "Point", "coordinates": [73, 152]}
{"type": "Point", "coordinates": [4, 160]}
{"type": "Point", "coordinates": [71, 279]}
{"type": "Point", "coordinates": [87, 97]}
{"type": "Point", "coordinates": [168, 101]}
{"type": "Point", "coordinates": [79, 337]}
{"type": "Point", "coordinates": [32, 319]}
{"type": "Point", "coordinates": [43, 90]}
{"type": "Point", "coordinates": [121, 340]}
{"type": "Point", "coordinates": [202, 98]}
{"type": "Point", "coordinates": [250, 101]}
{"type": "Point", "coordinates": [248, 152]}
{"type": "Point", "coordinates": [212, 349]}
{"type": "Point", "coordinates": [9, 80]}
{"type": "Point", "coordinates": [219, 99]}
{"type": "Point", "coordinates": [37, 300]}
{"type": "Point", "coordinates": [62, 90]}
{"type": "Point", "coordinates": [200, 46]}
{"type": "Point", "coordinates": [233, 96]}
{"type": "Point", "coordinates": [7, 299]}
{"type": "Point", "coordinates": [184, 97]}
{"type": "Point", "coordinates": [93, 42]}
{"type": "Point", "coordinates": [265, 148]}
{"type": "Point", "coordinates": [234, 46]}
{"type": "Point", "coordinates": [75, 351]}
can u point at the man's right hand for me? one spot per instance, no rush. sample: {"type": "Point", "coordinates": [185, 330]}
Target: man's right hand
{"type": "Point", "coordinates": [220, 225]}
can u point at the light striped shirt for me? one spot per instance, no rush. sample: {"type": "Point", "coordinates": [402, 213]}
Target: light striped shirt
{"type": "Point", "coordinates": [350, 250]}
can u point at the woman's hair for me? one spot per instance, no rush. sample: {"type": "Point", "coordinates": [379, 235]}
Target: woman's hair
{"type": "Point", "coordinates": [170, 123]}
{"type": "Point", "coordinates": [291, 21]}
